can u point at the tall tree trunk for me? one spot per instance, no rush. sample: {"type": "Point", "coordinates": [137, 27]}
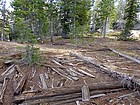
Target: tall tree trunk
{"type": "Point", "coordinates": [3, 23]}
{"type": "Point", "coordinates": [93, 25]}
{"type": "Point", "coordinates": [2, 33]}
{"type": "Point", "coordinates": [51, 23]}
{"type": "Point", "coordinates": [105, 27]}
{"type": "Point", "coordinates": [74, 31]}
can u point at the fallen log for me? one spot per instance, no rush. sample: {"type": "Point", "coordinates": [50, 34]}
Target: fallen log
{"type": "Point", "coordinates": [86, 73]}
{"type": "Point", "coordinates": [54, 61]}
{"type": "Point", "coordinates": [3, 89]}
{"type": "Point", "coordinates": [9, 92]}
{"type": "Point", "coordinates": [126, 56]}
{"type": "Point", "coordinates": [76, 72]}
{"type": "Point", "coordinates": [10, 70]}
{"type": "Point", "coordinates": [56, 93]}
{"type": "Point", "coordinates": [118, 75]}
{"type": "Point", "coordinates": [20, 85]}
{"type": "Point", "coordinates": [64, 74]}
{"type": "Point", "coordinates": [67, 98]}
{"type": "Point", "coordinates": [75, 100]}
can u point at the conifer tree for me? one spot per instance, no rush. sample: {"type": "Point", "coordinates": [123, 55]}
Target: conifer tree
{"type": "Point", "coordinates": [130, 17]}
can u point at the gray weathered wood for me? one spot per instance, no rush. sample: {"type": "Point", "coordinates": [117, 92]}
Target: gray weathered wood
{"type": "Point", "coordinates": [64, 74]}
{"type": "Point", "coordinates": [3, 89]}
{"type": "Point", "coordinates": [86, 73]}
{"type": "Point", "coordinates": [20, 85]}
{"type": "Point", "coordinates": [72, 97]}
{"type": "Point", "coordinates": [85, 93]}
{"type": "Point", "coordinates": [121, 76]}
{"type": "Point", "coordinates": [8, 71]}
{"type": "Point", "coordinates": [64, 93]}
{"type": "Point", "coordinates": [42, 79]}
{"type": "Point", "coordinates": [126, 56]}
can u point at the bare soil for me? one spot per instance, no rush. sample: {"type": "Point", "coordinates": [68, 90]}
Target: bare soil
{"type": "Point", "coordinates": [60, 53]}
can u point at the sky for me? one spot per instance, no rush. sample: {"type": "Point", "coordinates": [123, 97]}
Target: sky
{"type": "Point", "coordinates": [8, 5]}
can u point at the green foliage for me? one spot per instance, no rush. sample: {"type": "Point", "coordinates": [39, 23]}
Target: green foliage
{"type": "Point", "coordinates": [4, 21]}
{"type": "Point", "coordinates": [130, 18]}
{"type": "Point", "coordinates": [22, 32]}
{"type": "Point", "coordinates": [74, 13]}
{"type": "Point", "coordinates": [31, 55]}
{"type": "Point", "coordinates": [30, 19]}
{"type": "Point", "coordinates": [105, 9]}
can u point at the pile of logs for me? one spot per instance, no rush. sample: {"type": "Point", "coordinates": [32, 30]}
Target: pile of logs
{"type": "Point", "coordinates": [129, 82]}
{"type": "Point", "coordinates": [70, 93]}
{"type": "Point", "coordinates": [15, 79]}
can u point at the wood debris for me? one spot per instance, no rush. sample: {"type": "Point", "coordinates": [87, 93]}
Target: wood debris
{"type": "Point", "coordinates": [3, 89]}
{"type": "Point", "coordinates": [43, 82]}
{"type": "Point", "coordinates": [121, 76]}
{"type": "Point", "coordinates": [65, 93]}
{"type": "Point", "coordinates": [56, 90]}
{"type": "Point", "coordinates": [126, 56]}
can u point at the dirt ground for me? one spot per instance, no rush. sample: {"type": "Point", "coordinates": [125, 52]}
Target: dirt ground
{"type": "Point", "coordinates": [94, 48]}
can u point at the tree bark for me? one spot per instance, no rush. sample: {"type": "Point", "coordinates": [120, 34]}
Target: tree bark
{"type": "Point", "coordinates": [105, 27]}
{"type": "Point", "coordinates": [3, 23]}
{"type": "Point", "coordinates": [126, 56]}
{"type": "Point", "coordinates": [63, 93]}
{"type": "Point", "coordinates": [51, 22]}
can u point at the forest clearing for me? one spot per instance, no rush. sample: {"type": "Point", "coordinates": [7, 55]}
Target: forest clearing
{"type": "Point", "coordinates": [110, 78]}
{"type": "Point", "coordinates": [69, 52]}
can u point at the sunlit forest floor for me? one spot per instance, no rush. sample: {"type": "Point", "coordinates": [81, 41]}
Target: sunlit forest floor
{"type": "Point", "coordinates": [94, 47]}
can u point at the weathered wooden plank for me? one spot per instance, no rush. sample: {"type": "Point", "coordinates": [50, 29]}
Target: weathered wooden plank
{"type": "Point", "coordinates": [56, 93]}
{"type": "Point", "coordinates": [126, 56]}
{"type": "Point", "coordinates": [43, 82]}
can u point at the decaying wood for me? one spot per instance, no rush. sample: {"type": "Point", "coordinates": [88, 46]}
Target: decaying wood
{"type": "Point", "coordinates": [3, 89]}
{"type": "Point", "coordinates": [57, 63]}
{"type": "Point", "coordinates": [126, 56]}
{"type": "Point", "coordinates": [64, 74]}
{"type": "Point", "coordinates": [126, 97]}
{"type": "Point", "coordinates": [75, 99]}
{"type": "Point", "coordinates": [33, 72]}
{"type": "Point", "coordinates": [86, 73]}
{"type": "Point", "coordinates": [20, 85]}
{"type": "Point", "coordinates": [76, 72]}
{"type": "Point", "coordinates": [72, 97]}
{"type": "Point", "coordinates": [43, 82]}
{"type": "Point", "coordinates": [60, 93]}
{"type": "Point", "coordinates": [19, 70]}
{"type": "Point", "coordinates": [61, 83]}
{"type": "Point", "coordinates": [85, 93]}
{"type": "Point", "coordinates": [70, 72]}
{"type": "Point", "coordinates": [8, 71]}
{"type": "Point", "coordinates": [121, 76]}
{"type": "Point", "coordinates": [134, 94]}
{"type": "Point", "coordinates": [31, 91]}
{"type": "Point", "coordinates": [9, 92]}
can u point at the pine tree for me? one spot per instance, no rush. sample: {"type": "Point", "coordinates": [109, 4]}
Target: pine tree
{"type": "Point", "coordinates": [130, 17]}
{"type": "Point", "coordinates": [73, 13]}
{"type": "Point", "coordinates": [105, 11]}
